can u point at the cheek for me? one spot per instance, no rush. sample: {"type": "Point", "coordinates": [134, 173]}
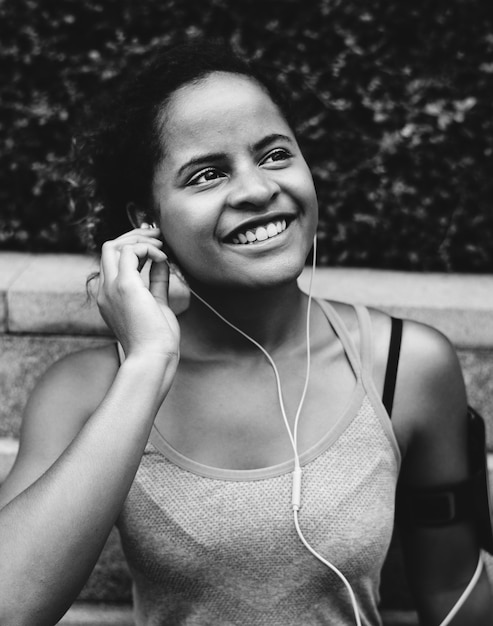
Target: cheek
{"type": "Point", "coordinates": [310, 192]}
{"type": "Point", "coordinates": [190, 220]}
{"type": "Point", "coordinates": [301, 184]}
{"type": "Point", "coordinates": [186, 241]}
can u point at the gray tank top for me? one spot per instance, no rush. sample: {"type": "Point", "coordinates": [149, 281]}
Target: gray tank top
{"type": "Point", "coordinates": [210, 546]}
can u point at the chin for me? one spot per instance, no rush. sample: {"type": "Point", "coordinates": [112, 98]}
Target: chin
{"type": "Point", "coordinates": [269, 278]}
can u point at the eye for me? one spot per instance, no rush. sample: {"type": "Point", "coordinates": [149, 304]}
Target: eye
{"type": "Point", "coordinates": [205, 176]}
{"type": "Point", "coordinates": [279, 155]}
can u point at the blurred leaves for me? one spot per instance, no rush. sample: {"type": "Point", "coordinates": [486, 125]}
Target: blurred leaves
{"type": "Point", "coordinates": [395, 102]}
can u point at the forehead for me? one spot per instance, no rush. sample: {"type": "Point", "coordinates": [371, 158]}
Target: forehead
{"type": "Point", "coordinates": [221, 109]}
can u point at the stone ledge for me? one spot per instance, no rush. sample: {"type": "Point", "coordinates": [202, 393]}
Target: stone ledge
{"type": "Point", "coordinates": [46, 293]}
{"type": "Point", "coordinates": [459, 305]}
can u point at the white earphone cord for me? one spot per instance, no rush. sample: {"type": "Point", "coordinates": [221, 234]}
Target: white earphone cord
{"type": "Point", "coordinates": [293, 437]}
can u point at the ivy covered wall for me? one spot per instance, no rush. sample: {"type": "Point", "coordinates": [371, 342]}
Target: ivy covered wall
{"type": "Point", "coordinates": [396, 104]}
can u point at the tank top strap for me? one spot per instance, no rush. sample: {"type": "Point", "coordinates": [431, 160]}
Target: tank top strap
{"type": "Point", "coordinates": [366, 350]}
{"type": "Point", "coordinates": [365, 338]}
{"type": "Point", "coordinates": [343, 335]}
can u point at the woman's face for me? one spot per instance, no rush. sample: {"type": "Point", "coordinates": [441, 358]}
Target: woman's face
{"type": "Point", "coordinates": [235, 197]}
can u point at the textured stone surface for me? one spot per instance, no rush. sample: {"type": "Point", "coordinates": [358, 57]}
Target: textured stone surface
{"type": "Point", "coordinates": [477, 367]}
{"type": "Point", "coordinates": [50, 296]}
{"type": "Point", "coordinates": [22, 360]}
{"type": "Point", "coordinates": [12, 264]}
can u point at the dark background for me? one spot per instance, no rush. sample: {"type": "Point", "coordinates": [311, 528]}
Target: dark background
{"type": "Point", "coordinates": [396, 104]}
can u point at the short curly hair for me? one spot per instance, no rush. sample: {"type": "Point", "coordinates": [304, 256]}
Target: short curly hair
{"type": "Point", "coordinates": [117, 157]}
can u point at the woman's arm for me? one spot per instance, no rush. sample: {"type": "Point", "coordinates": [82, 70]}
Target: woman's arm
{"type": "Point", "coordinates": [74, 470]}
{"type": "Point", "coordinates": [430, 420]}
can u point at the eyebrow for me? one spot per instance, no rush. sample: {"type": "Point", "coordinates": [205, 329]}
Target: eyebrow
{"type": "Point", "coordinates": [268, 139]}
{"type": "Point", "coordinates": [218, 156]}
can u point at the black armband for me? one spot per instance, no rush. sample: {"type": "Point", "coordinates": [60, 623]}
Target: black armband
{"type": "Point", "coordinates": [468, 500]}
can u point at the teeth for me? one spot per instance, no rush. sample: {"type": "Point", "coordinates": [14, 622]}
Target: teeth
{"type": "Point", "coordinates": [261, 233]}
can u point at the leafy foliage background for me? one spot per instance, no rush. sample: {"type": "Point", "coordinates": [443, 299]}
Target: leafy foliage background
{"type": "Point", "coordinates": [396, 103]}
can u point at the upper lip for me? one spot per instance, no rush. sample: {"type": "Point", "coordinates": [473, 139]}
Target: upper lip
{"type": "Point", "coordinates": [258, 220]}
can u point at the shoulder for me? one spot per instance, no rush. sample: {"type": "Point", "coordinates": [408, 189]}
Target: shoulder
{"type": "Point", "coordinates": [430, 406]}
{"type": "Point", "coordinates": [68, 393]}
{"type": "Point", "coordinates": [94, 367]}
{"type": "Point", "coordinates": [427, 356]}
{"type": "Point", "coordinates": [430, 376]}
{"type": "Point", "coordinates": [62, 401]}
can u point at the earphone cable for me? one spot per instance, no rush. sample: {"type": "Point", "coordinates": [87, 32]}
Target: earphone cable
{"type": "Point", "coordinates": [268, 357]}
{"type": "Point", "coordinates": [293, 435]}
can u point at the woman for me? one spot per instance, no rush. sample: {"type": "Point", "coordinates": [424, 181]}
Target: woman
{"type": "Point", "coordinates": [179, 438]}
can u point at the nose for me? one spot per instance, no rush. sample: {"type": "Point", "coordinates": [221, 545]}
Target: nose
{"type": "Point", "coordinates": [252, 188]}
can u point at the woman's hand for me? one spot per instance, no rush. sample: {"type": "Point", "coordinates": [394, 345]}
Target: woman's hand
{"type": "Point", "coordinates": [139, 315]}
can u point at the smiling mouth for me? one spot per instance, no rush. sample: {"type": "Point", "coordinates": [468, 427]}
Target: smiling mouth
{"type": "Point", "coordinates": [261, 233]}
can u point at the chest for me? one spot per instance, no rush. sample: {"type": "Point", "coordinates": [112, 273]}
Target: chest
{"type": "Point", "coordinates": [236, 414]}
{"type": "Point", "coordinates": [182, 523]}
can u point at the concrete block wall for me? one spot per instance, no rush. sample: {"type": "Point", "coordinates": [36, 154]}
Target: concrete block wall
{"type": "Point", "coordinates": [45, 313]}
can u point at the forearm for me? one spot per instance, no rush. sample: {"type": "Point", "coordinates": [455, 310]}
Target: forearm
{"type": "Point", "coordinates": [53, 532]}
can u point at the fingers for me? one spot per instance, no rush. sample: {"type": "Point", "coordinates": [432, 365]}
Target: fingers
{"type": "Point", "coordinates": [159, 282]}
{"type": "Point", "coordinates": [111, 251]}
{"type": "Point", "coordinates": [132, 256]}
{"type": "Point", "coordinates": [133, 304]}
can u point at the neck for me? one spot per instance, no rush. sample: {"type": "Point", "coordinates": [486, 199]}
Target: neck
{"type": "Point", "coordinates": [274, 317]}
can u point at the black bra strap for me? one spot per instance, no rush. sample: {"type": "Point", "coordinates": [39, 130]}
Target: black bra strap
{"type": "Point", "coordinates": [392, 364]}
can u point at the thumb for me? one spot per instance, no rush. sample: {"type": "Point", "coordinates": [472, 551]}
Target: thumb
{"type": "Point", "coordinates": [159, 281]}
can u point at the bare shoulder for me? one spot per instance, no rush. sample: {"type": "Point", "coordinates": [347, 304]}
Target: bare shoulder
{"type": "Point", "coordinates": [59, 406]}
{"type": "Point", "coordinates": [69, 392]}
{"type": "Point", "coordinates": [429, 373]}
{"type": "Point", "coordinates": [430, 406]}
{"type": "Point", "coordinates": [429, 411]}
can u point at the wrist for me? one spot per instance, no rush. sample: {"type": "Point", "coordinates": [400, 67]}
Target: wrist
{"type": "Point", "coordinates": [150, 372]}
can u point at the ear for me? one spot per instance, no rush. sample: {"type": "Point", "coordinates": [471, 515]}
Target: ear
{"type": "Point", "coordinates": [138, 216]}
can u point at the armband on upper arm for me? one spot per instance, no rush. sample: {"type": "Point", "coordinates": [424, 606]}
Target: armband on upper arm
{"type": "Point", "coordinates": [468, 500]}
